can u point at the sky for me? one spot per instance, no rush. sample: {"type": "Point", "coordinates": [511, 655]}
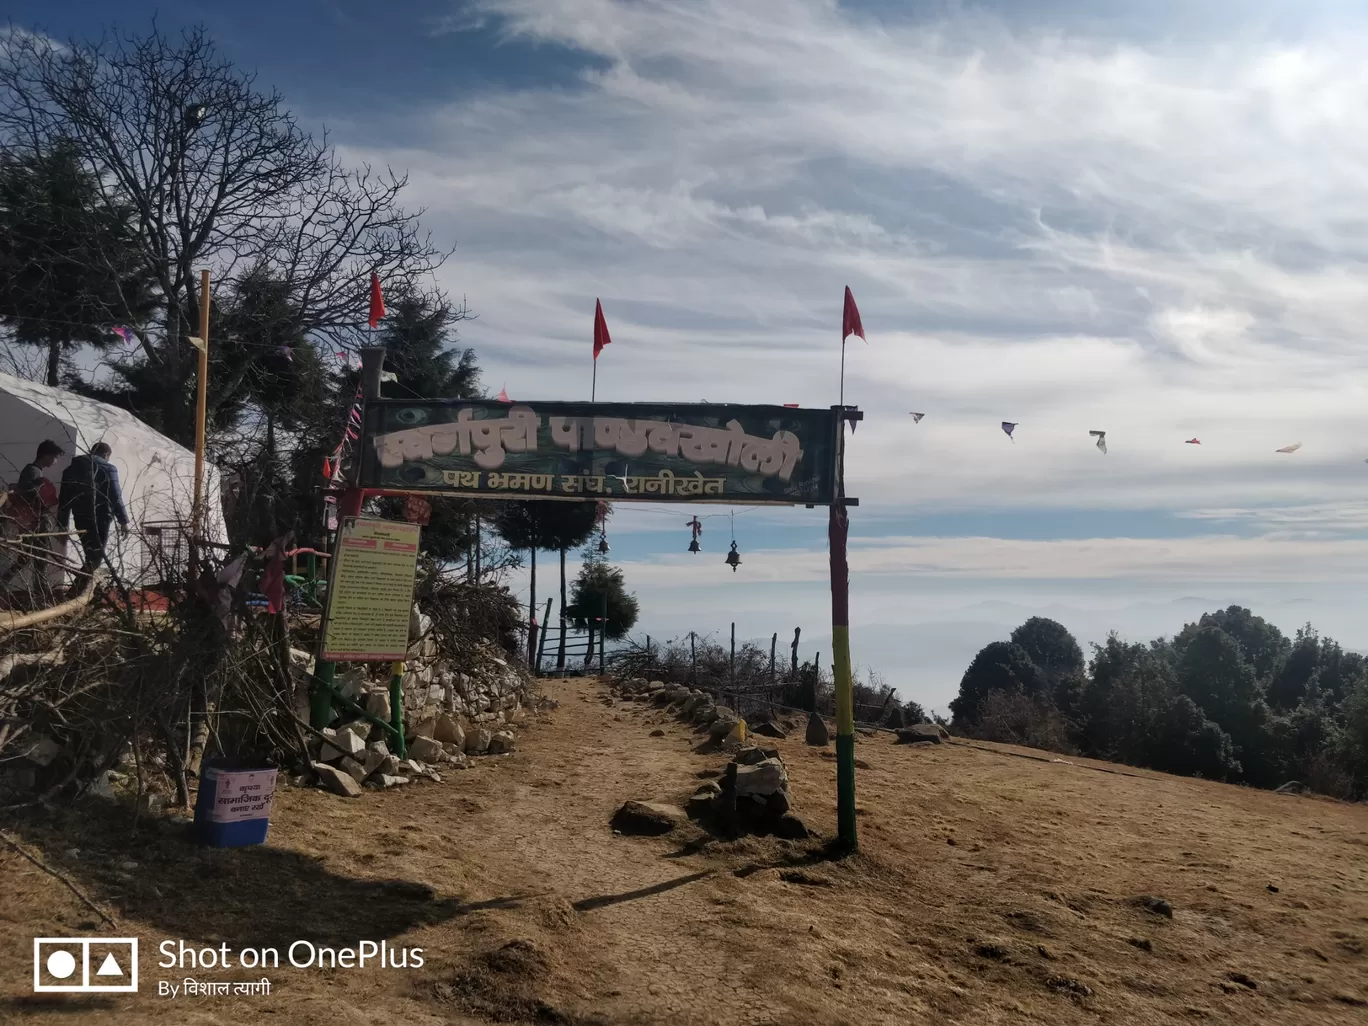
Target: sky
{"type": "Point", "coordinates": [1147, 218]}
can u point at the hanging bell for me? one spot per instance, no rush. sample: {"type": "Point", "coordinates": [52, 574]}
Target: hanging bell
{"type": "Point", "coordinates": [694, 546]}
{"type": "Point", "coordinates": [603, 544]}
{"type": "Point", "coordinates": [733, 558]}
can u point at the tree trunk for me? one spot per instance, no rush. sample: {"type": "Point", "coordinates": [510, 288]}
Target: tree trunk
{"type": "Point", "coordinates": [54, 362]}
{"type": "Point", "coordinates": [560, 651]}
{"type": "Point", "coordinates": [532, 614]}
{"type": "Point", "coordinates": [589, 652]}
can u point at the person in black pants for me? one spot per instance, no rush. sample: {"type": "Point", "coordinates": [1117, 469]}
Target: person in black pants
{"type": "Point", "coordinates": [91, 498]}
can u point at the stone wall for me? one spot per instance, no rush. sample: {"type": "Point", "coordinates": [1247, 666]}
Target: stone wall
{"type": "Point", "coordinates": [449, 715]}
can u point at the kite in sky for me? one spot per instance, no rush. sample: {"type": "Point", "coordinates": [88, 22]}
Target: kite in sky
{"type": "Point", "coordinates": [1009, 427]}
{"type": "Point", "coordinates": [1289, 448]}
{"type": "Point", "coordinates": [124, 332]}
{"type": "Point", "coordinates": [1101, 437]}
{"type": "Point", "coordinates": [1193, 441]}
{"type": "Point", "coordinates": [916, 417]}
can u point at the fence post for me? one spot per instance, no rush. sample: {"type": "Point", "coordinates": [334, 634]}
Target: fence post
{"type": "Point", "coordinates": [816, 680]}
{"type": "Point", "coordinates": [693, 659]}
{"type": "Point", "coordinates": [603, 633]}
{"type": "Point", "coordinates": [648, 654]}
{"type": "Point", "coordinates": [541, 641]}
{"type": "Point", "coordinates": [774, 640]}
{"type": "Point", "coordinates": [793, 666]}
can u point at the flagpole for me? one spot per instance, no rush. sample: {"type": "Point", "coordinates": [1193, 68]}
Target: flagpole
{"type": "Point", "coordinates": [593, 388]}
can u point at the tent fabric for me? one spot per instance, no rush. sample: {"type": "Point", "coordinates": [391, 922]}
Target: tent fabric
{"type": "Point", "coordinates": [157, 475]}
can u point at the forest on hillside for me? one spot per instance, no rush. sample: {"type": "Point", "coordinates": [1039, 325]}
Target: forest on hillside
{"type": "Point", "coordinates": [1227, 698]}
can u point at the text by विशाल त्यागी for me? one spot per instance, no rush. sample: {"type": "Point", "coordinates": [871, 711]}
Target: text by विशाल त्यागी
{"type": "Point", "coordinates": [491, 439]}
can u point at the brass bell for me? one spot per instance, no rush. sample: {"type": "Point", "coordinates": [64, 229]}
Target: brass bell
{"type": "Point", "coordinates": [694, 546]}
{"type": "Point", "coordinates": [603, 544]}
{"type": "Point", "coordinates": [733, 558]}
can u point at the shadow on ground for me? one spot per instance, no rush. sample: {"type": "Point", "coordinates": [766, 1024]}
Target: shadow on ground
{"type": "Point", "coordinates": [251, 896]}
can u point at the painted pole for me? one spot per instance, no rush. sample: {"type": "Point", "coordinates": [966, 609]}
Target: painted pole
{"type": "Point", "coordinates": [693, 659]}
{"type": "Point", "coordinates": [837, 534]}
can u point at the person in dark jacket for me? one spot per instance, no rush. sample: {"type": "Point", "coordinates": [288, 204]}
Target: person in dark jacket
{"type": "Point", "coordinates": [91, 498]}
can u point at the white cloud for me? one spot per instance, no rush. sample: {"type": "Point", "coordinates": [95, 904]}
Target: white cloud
{"type": "Point", "coordinates": [1158, 239]}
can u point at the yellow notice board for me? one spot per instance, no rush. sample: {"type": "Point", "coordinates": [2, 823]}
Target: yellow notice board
{"type": "Point", "coordinates": [371, 593]}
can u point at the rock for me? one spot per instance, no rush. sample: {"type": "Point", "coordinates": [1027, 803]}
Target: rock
{"type": "Point", "coordinates": [709, 789]}
{"type": "Point", "coordinates": [657, 732]}
{"type": "Point", "coordinates": [356, 769]}
{"type": "Point", "coordinates": [338, 782]}
{"type": "Point", "coordinates": [388, 766]}
{"type": "Point", "coordinates": [725, 723]}
{"type": "Point", "coordinates": [377, 703]}
{"type": "Point", "coordinates": [423, 725]}
{"type": "Point", "coordinates": [424, 749]}
{"type": "Point", "coordinates": [378, 747]}
{"type": "Point", "coordinates": [817, 733]}
{"type": "Point", "coordinates": [769, 729]}
{"type": "Point", "coordinates": [647, 818]}
{"type": "Point", "coordinates": [762, 778]}
{"type": "Point", "coordinates": [457, 760]}
{"type": "Point", "coordinates": [373, 760]}
{"type": "Point", "coordinates": [390, 780]}
{"type": "Point", "coordinates": [921, 732]}
{"type": "Point", "coordinates": [350, 682]}
{"type": "Point", "coordinates": [41, 751]}
{"type": "Point", "coordinates": [751, 756]}
{"type": "Point", "coordinates": [150, 804]}
{"type": "Point", "coordinates": [501, 743]}
{"type": "Point", "coordinates": [791, 828]}
{"type": "Point", "coordinates": [1158, 906]}
{"type": "Point", "coordinates": [103, 786]}
{"type": "Point", "coordinates": [348, 741]}
{"type": "Point", "coordinates": [477, 741]}
{"type": "Point", "coordinates": [448, 731]}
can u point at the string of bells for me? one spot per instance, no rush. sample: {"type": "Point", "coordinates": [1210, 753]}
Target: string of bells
{"type": "Point", "coordinates": [695, 527]}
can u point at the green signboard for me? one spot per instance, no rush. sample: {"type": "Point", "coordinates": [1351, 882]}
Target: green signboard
{"type": "Point", "coordinates": [648, 452]}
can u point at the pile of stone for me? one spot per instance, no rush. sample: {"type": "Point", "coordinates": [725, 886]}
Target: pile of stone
{"type": "Point", "coordinates": [687, 704]}
{"type": "Point", "coordinates": [751, 798]}
{"type": "Point", "coordinates": [448, 715]}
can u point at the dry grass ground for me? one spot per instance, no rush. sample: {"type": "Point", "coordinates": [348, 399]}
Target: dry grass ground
{"type": "Point", "coordinates": [993, 886]}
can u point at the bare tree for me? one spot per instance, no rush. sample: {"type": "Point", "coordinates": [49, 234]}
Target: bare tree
{"type": "Point", "coordinates": [218, 173]}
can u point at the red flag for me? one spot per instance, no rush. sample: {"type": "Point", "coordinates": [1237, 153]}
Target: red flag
{"type": "Point", "coordinates": [601, 338]}
{"type": "Point", "coordinates": [850, 320]}
{"type": "Point", "coordinates": [377, 304]}
{"type": "Point", "coordinates": [503, 395]}
{"type": "Point", "coordinates": [790, 406]}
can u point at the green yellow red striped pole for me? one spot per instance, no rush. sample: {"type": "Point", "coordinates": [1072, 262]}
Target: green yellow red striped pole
{"type": "Point", "coordinates": [837, 532]}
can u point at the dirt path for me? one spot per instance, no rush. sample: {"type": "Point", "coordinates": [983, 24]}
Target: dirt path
{"type": "Point", "coordinates": [991, 888]}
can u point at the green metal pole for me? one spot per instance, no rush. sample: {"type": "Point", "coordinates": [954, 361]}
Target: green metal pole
{"type": "Point", "coordinates": [397, 706]}
{"type": "Point", "coordinates": [320, 698]}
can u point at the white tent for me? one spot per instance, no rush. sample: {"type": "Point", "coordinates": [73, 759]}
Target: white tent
{"type": "Point", "coordinates": [156, 474]}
